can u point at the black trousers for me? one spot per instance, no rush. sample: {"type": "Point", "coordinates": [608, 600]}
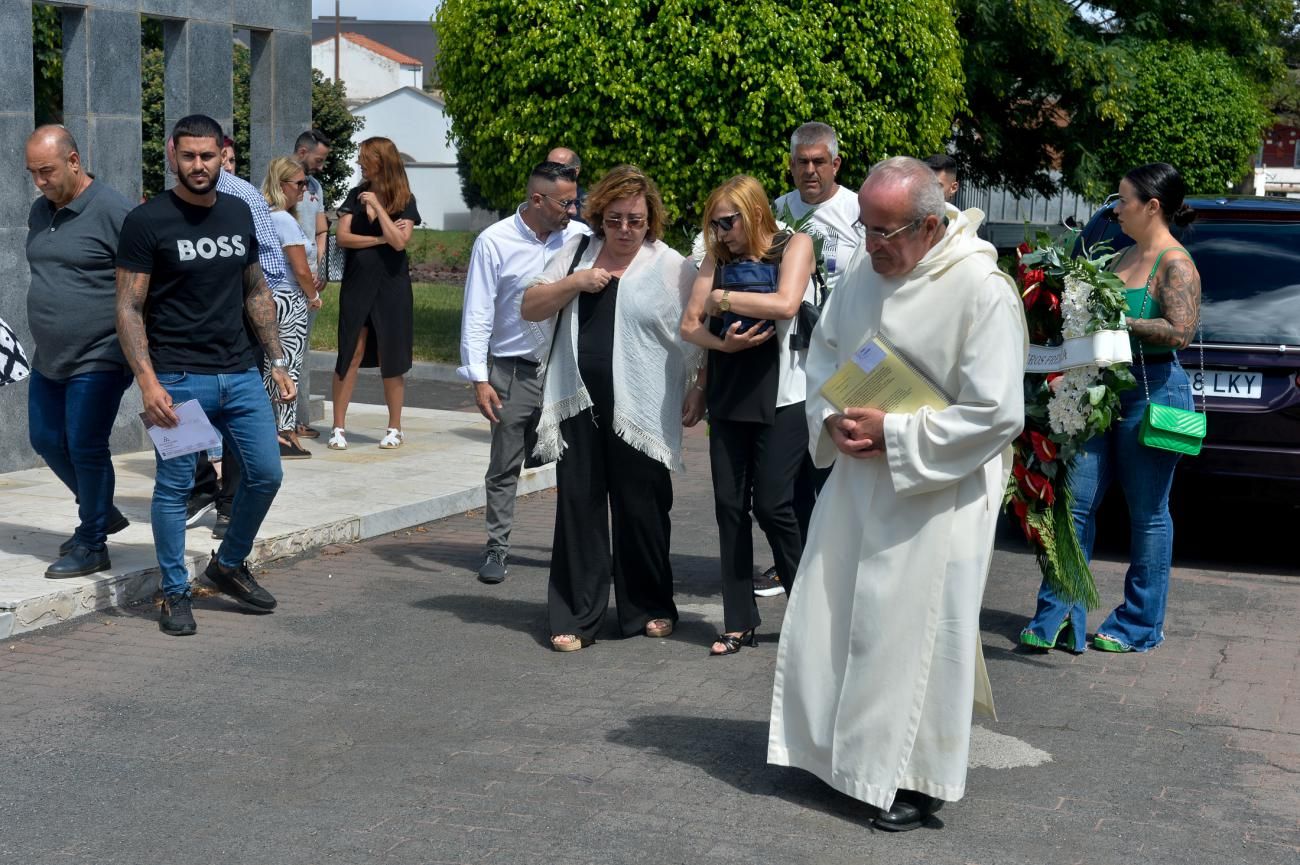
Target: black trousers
{"type": "Point", "coordinates": [602, 482]}
{"type": "Point", "coordinates": [755, 465]}
{"type": "Point", "coordinates": [807, 487]}
{"type": "Point", "coordinates": [223, 489]}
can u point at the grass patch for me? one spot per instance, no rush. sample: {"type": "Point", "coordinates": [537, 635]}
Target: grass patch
{"type": "Point", "coordinates": [449, 249]}
{"type": "Point", "coordinates": [437, 320]}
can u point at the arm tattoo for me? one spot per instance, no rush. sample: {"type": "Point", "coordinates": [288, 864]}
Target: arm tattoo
{"type": "Point", "coordinates": [1179, 294]}
{"type": "Point", "coordinates": [260, 308]}
{"type": "Point", "coordinates": [132, 291]}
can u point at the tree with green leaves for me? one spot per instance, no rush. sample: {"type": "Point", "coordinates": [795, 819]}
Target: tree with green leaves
{"type": "Point", "coordinates": [693, 91]}
{"type": "Point", "coordinates": [1096, 87]}
{"type": "Point", "coordinates": [329, 114]}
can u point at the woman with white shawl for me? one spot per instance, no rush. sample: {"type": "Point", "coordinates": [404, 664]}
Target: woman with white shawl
{"type": "Point", "coordinates": [613, 406]}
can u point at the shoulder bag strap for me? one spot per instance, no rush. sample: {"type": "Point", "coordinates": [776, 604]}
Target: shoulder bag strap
{"type": "Point", "coordinates": [1200, 337]}
{"type": "Point", "coordinates": [573, 265]}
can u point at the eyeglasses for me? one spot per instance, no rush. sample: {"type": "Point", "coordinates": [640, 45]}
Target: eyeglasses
{"type": "Point", "coordinates": [882, 236]}
{"type": "Point", "coordinates": [565, 203]}
{"type": "Point", "coordinates": [723, 224]}
{"type": "Point", "coordinates": [631, 222]}
{"type": "Point", "coordinates": [301, 184]}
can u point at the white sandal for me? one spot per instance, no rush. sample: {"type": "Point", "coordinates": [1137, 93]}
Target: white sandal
{"type": "Point", "coordinates": [392, 439]}
{"type": "Point", "coordinates": [337, 442]}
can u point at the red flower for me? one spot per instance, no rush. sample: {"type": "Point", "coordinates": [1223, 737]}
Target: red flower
{"type": "Point", "coordinates": [1030, 296]}
{"type": "Point", "coordinates": [1023, 249]}
{"type": "Point", "coordinates": [1044, 448]}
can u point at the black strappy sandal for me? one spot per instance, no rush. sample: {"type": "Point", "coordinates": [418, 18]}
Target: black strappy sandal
{"type": "Point", "coordinates": [733, 643]}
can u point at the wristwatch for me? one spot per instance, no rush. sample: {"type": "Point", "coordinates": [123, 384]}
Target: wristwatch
{"type": "Point", "coordinates": [724, 305]}
{"type": "Point", "coordinates": [279, 363]}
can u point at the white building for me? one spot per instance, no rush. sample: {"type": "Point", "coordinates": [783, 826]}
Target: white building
{"type": "Point", "coordinates": [383, 88]}
{"type": "Point", "coordinates": [369, 68]}
{"type": "Point", "coordinates": [418, 124]}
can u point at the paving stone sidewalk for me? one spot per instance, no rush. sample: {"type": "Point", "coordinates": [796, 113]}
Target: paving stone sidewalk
{"type": "Point", "coordinates": [394, 710]}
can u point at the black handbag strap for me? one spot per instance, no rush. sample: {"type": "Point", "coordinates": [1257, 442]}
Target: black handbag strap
{"type": "Point", "coordinates": [573, 265]}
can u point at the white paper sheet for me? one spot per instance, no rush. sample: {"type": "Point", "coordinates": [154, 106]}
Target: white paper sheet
{"type": "Point", "coordinates": [193, 433]}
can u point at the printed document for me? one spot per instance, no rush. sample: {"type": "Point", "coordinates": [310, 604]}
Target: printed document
{"type": "Point", "coordinates": [194, 432]}
{"type": "Point", "coordinates": [879, 376]}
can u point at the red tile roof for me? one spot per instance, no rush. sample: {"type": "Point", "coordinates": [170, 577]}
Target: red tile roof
{"type": "Point", "coordinates": [377, 47]}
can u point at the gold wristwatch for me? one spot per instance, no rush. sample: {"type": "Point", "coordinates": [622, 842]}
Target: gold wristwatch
{"type": "Point", "coordinates": [724, 305]}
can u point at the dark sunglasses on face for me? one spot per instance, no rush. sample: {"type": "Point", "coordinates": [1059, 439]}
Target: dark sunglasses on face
{"type": "Point", "coordinates": [301, 184]}
{"type": "Point", "coordinates": [564, 203]}
{"type": "Point", "coordinates": [723, 224]}
{"type": "Point", "coordinates": [617, 222]}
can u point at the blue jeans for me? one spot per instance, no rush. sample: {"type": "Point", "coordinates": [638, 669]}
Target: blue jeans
{"type": "Point", "coordinates": [1145, 475]}
{"type": "Point", "coordinates": [69, 422]}
{"type": "Point", "coordinates": [238, 407]}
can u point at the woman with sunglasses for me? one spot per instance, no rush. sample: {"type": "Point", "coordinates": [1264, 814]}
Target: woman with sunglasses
{"type": "Point", "coordinates": [613, 407]}
{"type": "Point", "coordinates": [282, 189]}
{"type": "Point", "coordinates": [376, 305]}
{"type": "Point", "coordinates": [755, 383]}
{"type": "Point", "coordinates": [1164, 305]}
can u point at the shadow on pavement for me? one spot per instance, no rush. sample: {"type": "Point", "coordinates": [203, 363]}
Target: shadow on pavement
{"type": "Point", "coordinates": [735, 751]}
{"type": "Point", "coordinates": [527, 617]}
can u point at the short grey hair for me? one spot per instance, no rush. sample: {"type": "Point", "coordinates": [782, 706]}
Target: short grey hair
{"type": "Point", "coordinates": [815, 133]}
{"type": "Point", "coordinates": [921, 181]}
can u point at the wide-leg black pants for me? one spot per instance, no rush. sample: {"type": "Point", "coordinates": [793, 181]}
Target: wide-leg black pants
{"type": "Point", "coordinates": [611, 523]}
{"type": "Point", "coordinates": [755, 465]}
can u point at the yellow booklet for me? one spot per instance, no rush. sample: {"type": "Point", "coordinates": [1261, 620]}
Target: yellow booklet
{"type": "Point", "coordinates": [880, 376]}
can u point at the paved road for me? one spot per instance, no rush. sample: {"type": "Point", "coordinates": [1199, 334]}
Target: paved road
{"type": "Point", "coordinates": [394, 710]}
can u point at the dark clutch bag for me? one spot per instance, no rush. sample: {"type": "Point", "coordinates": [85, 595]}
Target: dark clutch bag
{"type": "Point", "coordinates": [746, 276]}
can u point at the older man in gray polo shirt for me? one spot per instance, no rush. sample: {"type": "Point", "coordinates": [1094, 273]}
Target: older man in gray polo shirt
{"type": "Point", "coordinates": [78, 371]}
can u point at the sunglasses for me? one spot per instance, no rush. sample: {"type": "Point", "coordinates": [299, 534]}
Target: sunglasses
{"type": "Point", "coordinates": [564, 203]}
{"type": "Point", "coordinates": [301, 184]}
{"type": "Point", "coordinates": [632, 222]}
{"type": "Point", "coordinates": [882, 236]}
{"type": "Point", "coordinates": [723, 224]}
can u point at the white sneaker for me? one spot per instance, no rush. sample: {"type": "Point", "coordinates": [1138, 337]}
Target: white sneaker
{"type": "Point", "coordinates": [392, 439]}
{"type": "Point", "coordinates": [337, 442]}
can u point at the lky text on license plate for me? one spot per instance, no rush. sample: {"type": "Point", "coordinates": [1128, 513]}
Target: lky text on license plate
{"type": "Point", "coordinates": [1233, 384]}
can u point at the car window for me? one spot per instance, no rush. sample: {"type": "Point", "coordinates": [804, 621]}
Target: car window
{"type": "Point", "coordinates": [1250, 280]}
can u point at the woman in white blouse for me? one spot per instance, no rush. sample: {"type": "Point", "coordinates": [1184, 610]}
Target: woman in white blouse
{"type": "Point", "coordinates": [283, 189]}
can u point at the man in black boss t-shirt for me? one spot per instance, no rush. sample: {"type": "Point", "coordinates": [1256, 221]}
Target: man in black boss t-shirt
{"type": "Point", "coordinates": [192, 309]}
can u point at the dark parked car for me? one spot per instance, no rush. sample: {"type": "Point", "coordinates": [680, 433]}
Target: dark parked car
{"type": "Point", "coordinates": [1247, 250]}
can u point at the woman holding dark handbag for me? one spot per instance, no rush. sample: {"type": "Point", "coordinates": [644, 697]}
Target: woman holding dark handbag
{"type": "Point", "coordinates": [613, 406]}
{"type": "Point", "coordinates": [748, 290]}
{"type": "Point", "coordinates": [1164, 300]}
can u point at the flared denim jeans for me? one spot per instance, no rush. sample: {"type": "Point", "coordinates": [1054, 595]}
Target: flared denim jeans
{"type": "Point", "coordinates": [1145, 475]}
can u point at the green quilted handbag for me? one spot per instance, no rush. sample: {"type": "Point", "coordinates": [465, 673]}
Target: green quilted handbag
{"type": "Point", "coordinates": [1172, 429]}
{"type": "Point", "coordinates": [1163, 426]}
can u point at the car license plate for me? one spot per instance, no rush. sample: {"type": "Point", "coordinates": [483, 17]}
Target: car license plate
{"type": "Point", "coordinates": [1232, 384]}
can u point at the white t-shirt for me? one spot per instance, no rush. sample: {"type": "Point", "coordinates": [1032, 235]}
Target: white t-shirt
{"type": "Point", "coordinates": [835, 220]}
{"type": "Point", "coordinates": [313, 202]}
{"type": "Point", "coordinates": [290, 234]}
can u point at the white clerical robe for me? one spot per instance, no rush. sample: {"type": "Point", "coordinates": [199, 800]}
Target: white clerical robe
{"type": "Point", "coordinates": [879, 660]}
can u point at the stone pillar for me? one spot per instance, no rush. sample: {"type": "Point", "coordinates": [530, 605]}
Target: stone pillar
{"type": "Point", "coordinates": [16, 192]}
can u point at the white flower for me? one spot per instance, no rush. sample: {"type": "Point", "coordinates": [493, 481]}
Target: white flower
{"type": "Point", "coordinates": [1069, 408]}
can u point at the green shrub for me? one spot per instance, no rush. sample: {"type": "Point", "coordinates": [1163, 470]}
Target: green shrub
{"type": "Point", "coordinates": [693, 91]}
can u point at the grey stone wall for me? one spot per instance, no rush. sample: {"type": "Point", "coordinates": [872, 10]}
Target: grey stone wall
{"type": "Point", "coordinates": [101, 104]}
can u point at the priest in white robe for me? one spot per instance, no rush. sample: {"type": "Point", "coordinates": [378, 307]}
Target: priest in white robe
{"type": "Point", "coordinates": [880, 666]}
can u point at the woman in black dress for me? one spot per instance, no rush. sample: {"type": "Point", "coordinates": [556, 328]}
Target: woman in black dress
{"type": "Point", "coordinates": [375, 302]}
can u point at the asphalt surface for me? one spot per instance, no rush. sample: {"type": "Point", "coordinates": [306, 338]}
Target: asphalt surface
{"type": "Point", "coordinates": [395, 710]}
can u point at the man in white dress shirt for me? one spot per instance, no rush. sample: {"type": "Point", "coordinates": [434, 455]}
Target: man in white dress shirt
{"type": "Point", "coordinates": [500, 353]}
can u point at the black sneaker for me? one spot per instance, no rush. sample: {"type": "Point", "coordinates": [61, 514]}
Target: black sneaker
{"type": "Point", "coordinates": [116, 522]}
{"type": "Point", "coordinates": [493, 570]}
{"type": "Point", "coordinates": [198, 505]}
{"type": "Point", "coordinates": [769, 585]}
{"type": "Point", "coordinates": [222, 523]}
{"type": "Point", "coordinates": [239, 584]}
{"type": "Point", "coordinates": [177, 617]}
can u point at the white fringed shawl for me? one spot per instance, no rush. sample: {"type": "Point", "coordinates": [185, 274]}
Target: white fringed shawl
{"type": "Point", "coordinates": [651, 362]}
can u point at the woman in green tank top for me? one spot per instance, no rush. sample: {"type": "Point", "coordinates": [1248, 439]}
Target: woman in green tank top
{"type": "Point", "coordinates": [1164, 298]}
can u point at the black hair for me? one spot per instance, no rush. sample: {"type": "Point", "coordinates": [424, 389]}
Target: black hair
{"type": "Point", "coordinates": [941, 162]}
{"type": "Point", "coordinates": [553, 171]}
{"type": "Point", "coordinates": [198, 126]}
{"type": "Point", "coordinates": [310, 139]}
{"type": "Point", "coordinates": [1161, 181]}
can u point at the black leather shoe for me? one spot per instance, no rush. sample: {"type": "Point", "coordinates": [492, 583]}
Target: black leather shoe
{"type": "Point", "coordinates": [80, 561]}
{"type": "Point", "coordinates": [908, 812]}
{"type": "Point", "coordinates": [177, 615]}
{"type": "Point", "coordinates": [116, 522]}
{"type": "Point", "coordinates": [240, 584]}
